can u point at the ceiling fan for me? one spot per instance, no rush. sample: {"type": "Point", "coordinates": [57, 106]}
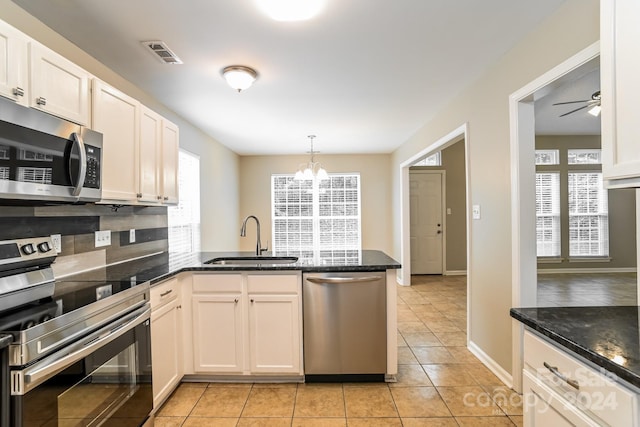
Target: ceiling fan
{"type": "Point", "coordinates": [592, 104]}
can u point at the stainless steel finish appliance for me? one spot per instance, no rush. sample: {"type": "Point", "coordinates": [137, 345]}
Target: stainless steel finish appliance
{"type": "Point", "coordinates": [345, 326]}
{"type": "Point", "coordinates": [45, 158]}
{"type": "Point", "coordinates": [81, 351]}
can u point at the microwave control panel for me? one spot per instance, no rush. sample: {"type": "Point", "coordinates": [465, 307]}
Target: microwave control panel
{"type": "Point", "coordinates": [92, 178]}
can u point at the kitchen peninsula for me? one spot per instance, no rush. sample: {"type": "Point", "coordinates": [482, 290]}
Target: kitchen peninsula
{"type": "Point", "coordinates": [581, 363]}
{"type": "Point", "coordinates": [244, 321]}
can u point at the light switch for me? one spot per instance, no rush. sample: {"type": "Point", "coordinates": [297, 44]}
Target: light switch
{"type": "Point", "coordinates": [132, 235]}
{"type": "Point", "coordinates": [448, 211]}
{"type": "Point", "coordinates": [476, 211]}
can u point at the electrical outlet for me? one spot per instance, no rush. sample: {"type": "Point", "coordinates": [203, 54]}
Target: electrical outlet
{"type": "Point", "coordinates": [132, 235]}
{"type": "Point", "coordinates": [476, 211]}
{"type": "Point", "coordinates": [56, 239]}
{"type": "Point", "coordinates": [103, 238]}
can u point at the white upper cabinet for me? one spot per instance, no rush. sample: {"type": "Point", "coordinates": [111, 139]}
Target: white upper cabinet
{"type": "Point", "coordinates": [13, 64]}
{"type": "Point", "coordinates": [117, 116]}
{"type": "Point", "coordinates": [620, 87]}
{"type": "Point", "coordinates": [169, 162]}
{"type": "Point", "coordinates": [149, 155]}
{"type": "Point", "coordinates": [58, 86]}
{"type": "Point", "coordinates": [140, 150]}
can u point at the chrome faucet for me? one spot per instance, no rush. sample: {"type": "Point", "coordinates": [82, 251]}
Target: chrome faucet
{"type": "Point", "coordinates": [243, 233]}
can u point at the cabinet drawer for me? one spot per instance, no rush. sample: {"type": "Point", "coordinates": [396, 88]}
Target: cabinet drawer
{"type": "Point", "coordinates": [272, 283]}
{"type": "Point", "coordinates": [163, 293]}
{"type": "Point", "coordinates": [206, 283]}
{"type": "Point", "coordinates": [595, 392]}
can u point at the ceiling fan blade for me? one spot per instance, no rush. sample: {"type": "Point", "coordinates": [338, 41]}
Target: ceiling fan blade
{"type": "Point", "coordinates": [573, 111]}
{"type": "Point", "coordinates": [571, 102]}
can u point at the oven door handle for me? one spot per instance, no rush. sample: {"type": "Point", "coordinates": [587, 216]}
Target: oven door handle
{"type": "Point", "coordinates": [41, 371]}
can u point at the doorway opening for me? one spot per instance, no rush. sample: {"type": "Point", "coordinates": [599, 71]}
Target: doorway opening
{"type": "Point", "coordinates": [458, 137]}
{"type": "Point", "coordinates": [523, 199]}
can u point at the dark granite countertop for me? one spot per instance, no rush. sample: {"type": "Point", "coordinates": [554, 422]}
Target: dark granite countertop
{"type": "Point", "coordinates": [607, 336]}
{"type": "Point", "coordinates": [162, 266]}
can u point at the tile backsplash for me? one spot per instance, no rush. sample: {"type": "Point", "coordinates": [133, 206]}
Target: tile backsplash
{"type": "Point", "coordinates": [77, 225]}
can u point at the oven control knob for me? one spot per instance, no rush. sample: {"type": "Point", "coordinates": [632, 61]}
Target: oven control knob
{"type": "Point", "coordinates": [28, 249]}
{"type": "Point", "coordinates": [44, 247]}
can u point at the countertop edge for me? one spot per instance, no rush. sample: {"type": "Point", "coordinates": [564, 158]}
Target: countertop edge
{"type": "Point", "coordinates": [604, 363]}
{"type": "Point", "coordinates": [302, 269]}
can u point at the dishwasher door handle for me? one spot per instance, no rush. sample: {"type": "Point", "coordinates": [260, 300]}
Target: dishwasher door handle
{"type": "Point", "coordinates": [339, 280]}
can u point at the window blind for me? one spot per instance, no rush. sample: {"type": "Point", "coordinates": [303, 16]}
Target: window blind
{"type": "Point", "coordinates": [588, 215]}
{"type": "Point", "coordinates": [548, 214]}
{"type": "Point", "coordinates": [312, 218]}
{"type": "Point", "coordinates": [184, 219]}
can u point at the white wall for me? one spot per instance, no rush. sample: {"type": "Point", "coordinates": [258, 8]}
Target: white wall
{"type": "Point", "coordinates": [484, 106]}
{"type": "Point", "coordinates": [219, 173]}
{"type": "Point", "coordinates": [375, 183]}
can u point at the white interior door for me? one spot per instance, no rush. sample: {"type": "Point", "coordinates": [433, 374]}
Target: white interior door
{"type": "Point", "coordinates": [426, 224]}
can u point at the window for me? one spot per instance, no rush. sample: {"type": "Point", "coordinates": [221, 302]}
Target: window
{"type": "Point", "coordinates": [588, 215]}
{"type": "Point", "coordinates": [573, 186]}
{"type": "Point", "coordinates": [433, 160]}
{"type": "Point", "coordinates": [313, 218]}
{"type": "Point", "coordinates": [548, 213]}
{"type": "Point", "coordinates": [184, 219]}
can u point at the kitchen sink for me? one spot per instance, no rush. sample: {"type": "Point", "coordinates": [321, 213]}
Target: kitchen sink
{"type": "Point", "coordinates": [253, 260]}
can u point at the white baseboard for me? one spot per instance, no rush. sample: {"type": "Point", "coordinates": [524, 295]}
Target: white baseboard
{"type": "Point", "coordinates": [586, 270]}
{"type": "Point", "coordinates": [503, 375]}
{"type": "Point", "coordinates": [455, 273]}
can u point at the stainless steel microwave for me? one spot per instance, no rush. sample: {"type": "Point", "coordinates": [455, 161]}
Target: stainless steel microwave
{"type": "Point", "coordinates": [45, 158]}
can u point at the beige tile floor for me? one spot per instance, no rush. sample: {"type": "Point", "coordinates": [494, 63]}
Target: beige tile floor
{"type": "Point", "coordinates": [440, 383]}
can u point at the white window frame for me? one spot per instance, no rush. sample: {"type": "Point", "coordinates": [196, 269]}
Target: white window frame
{"type": "Point", "coordinates": [549, 162]}
{"type": "Point", "coordinates": [184, 219]}
{"type": "Point", "coordinates": [317, 247]}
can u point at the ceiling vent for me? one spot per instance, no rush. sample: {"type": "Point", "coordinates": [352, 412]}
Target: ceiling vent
{"type": "Point", "coordinates": [161, 51]}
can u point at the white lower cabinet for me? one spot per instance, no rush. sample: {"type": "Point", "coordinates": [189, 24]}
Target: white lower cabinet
{"type": "Point", "coordinates": [166, 339]}
{"type": "Point", "coordinates": [560, 390]}
{"type": "Point", "coordinates": [247, 323]}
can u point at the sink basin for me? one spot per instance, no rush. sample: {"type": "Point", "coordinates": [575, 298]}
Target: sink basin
{"type": "Point", "coordinates": [253, 260]}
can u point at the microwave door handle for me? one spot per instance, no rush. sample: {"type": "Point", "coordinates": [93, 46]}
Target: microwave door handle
{"type": "Point", "coordinates": [82, 169]}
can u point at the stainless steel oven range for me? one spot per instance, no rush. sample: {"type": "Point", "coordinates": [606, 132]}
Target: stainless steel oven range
{"type": "Point", "coordinates": [80, 352]}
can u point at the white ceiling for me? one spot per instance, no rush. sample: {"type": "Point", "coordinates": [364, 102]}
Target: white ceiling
{"type": "Point", "coordinates": [580, 84]}
{"type": "Point", "coordinates": [363, 76]}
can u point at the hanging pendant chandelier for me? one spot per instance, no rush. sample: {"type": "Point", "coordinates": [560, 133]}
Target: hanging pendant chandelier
{"type": "Point", "coordinates": [312, 169]}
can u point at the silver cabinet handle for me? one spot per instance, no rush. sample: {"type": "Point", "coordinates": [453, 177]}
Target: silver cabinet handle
{"type": "Point", "coordinates": [166, 197]}
{"type": "Point", "coordinates": [18, 91]}
{"type": "Point", "coordinates": [164, 294]}
{"type": "Point", "coordinates": [41, 100]}
{"type": "Point", "coordinates": [236, 300]}
{"type": "Point", "coordinates": [139, 195]}
{"type": "Point", "coordinates": [342, 279]}
{"type": "Point", "coordinates": [82, 169]}
{"type": "Point", "coordinates": [159, 197]}
{"type": "Point", "coordinates": [554, 370]}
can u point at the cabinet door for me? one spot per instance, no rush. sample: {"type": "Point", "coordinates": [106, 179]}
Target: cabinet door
{"type": "Point", "coordinates": [217, 333]}
{"type": "Point", "coordinates": [543, 407]}
{"type": "Point", "coordinates": [13, 64]}
{"type": "Point", "coordinates": [274, 333]}
{"type": "Point", "coordinates": [116, 116]}
{"type": "Point", "coordinates": [148, 153]}
{"type": "Point", "coordinates": [166, 350]}
{"type": "Point", "coordinates": [619, 68]}
{"type": "Point", "coordinates": [169, 169]}
{"type": "Point", "coordinates": [58, 86]}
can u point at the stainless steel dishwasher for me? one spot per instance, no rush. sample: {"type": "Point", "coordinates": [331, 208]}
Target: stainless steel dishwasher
{"type": "Point", "coordinates": [345, 326]}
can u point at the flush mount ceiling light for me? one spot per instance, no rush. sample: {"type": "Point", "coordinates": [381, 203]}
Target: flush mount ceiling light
{"type": "Point", "coordinates": [312, 169]}
{"type": "Point", "coordinates": [291, 10]}
{"type": "Point", "coordinates": [239, 77]}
